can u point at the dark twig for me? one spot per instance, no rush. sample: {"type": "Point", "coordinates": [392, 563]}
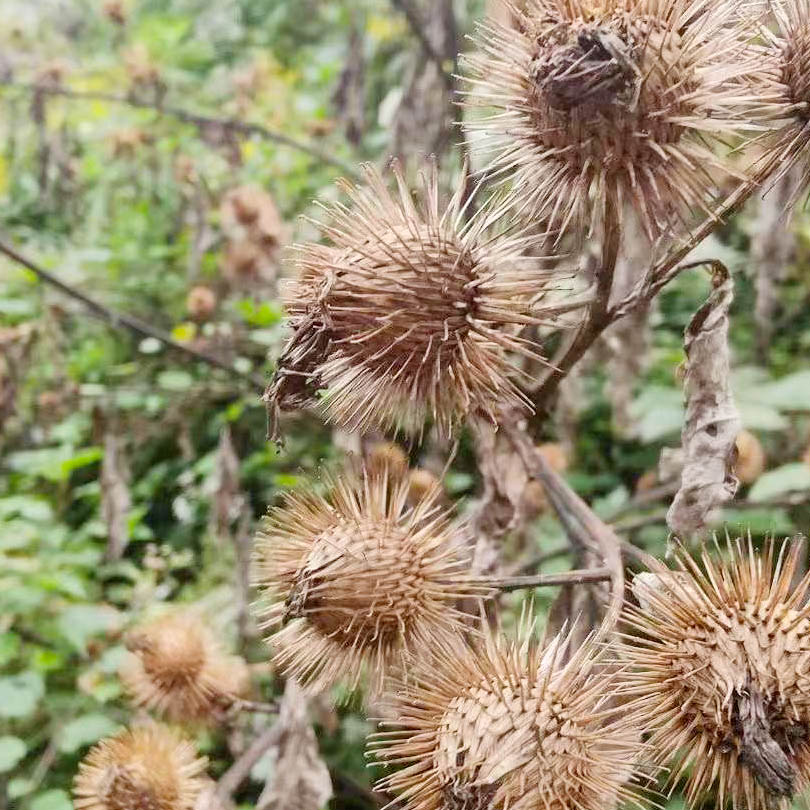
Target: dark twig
{"type": "Point", "coordinates": [119, 319]}
{"type": "Point", "coordinates": [418, 29]}
{"type": "Point", "coordinates": [245, 128]}
{"type": "Point", "coordinates": [576, 577]}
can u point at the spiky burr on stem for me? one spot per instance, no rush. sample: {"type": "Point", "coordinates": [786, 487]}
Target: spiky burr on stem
{"type": "Point", "coordinates": [411, 312]}
{"type": "Point", "coordinates": [717, 656]}
{"type": "Point", "coordinates": [354, 581]}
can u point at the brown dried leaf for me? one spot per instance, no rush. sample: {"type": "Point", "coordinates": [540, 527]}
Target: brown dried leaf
{"type": "Point", "coordinates": [115, 498]}
{"type": "Point", "coordinates": [712, 420]}
{"type": "Point", "coordinates": [300, 779]}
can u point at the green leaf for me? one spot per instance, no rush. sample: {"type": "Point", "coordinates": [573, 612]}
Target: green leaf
{"type": "Point", "coordinates": [51, 800]}
{"type": "Point", "coordinates": [9, 647]}
{"type": "Point", "coordinates": [789, 478]}
{"type": "Point", "coordinates": [12, 750]}
{"type": "Point", "coordinates": [19, 694]}
{"type": "Point", "coordinates": [175, 380]}
{"type": "Point", "coordinates": [32, 508]}
{"type": "Point", "coordinates": [79, 623]}
{"type": "Point", "coordinates": [85, 730]}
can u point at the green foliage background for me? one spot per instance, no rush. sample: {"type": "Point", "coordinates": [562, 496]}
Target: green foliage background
{"type": "Point", "coordinates": [118, 227]}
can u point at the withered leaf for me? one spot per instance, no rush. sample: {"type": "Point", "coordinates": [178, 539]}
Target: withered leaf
{"type": "Point", "coordinates": [115, 497]}
{"type": "Point", "coordinates": [712, 420]}
{"type": "Point", "coordinates": [300, 779]}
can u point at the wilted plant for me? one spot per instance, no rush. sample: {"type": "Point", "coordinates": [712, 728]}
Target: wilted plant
{"type": "Point", "coordinates": [358, 579]}
{"type": "Point", "coordinates": [179, 669]}
{"type": "Point", "coordinates": [148, 767]}
{"type": "Point", "coordinates": [504, 724]}
{"type": "Point", "coordinates": [717, 657]}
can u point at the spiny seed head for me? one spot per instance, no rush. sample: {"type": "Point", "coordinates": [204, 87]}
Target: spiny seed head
{"type": "Point", "coordinates": [178, 668]}
{"type": "Point", "coordinates": [750, 461]}
{"type": "Point", "coordinates": [718, 659]}
{"type": "Point", "coordinates": [604, 103]}
{"type": "Point", "coordinates": [506, 725]}
{"type": "Point", "coordinates": [410, 312]}
{"type": "Point", "coordinates": [387, 456]}
{"type": "Point", "coordinates": [784, 90]}
{"type": "Point", "coordinates": [148, 767]}
{"type": "Point", "coordinates": [358, 579]}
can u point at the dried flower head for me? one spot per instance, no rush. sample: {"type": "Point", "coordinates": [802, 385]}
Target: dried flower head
{"type": "Point", "coordinates": [179, 669]}
{"type": "Point", "coordinates": [605, 103]}
{"type": "Point", "coordinates": [410, 312]}
{"type": "Point", "coordinates": [718, 659]}
{"type": "Point", "coordinates": [785, 89]}
{"type": "Point", "coordinates": [750, 461]}
{"type": "Point", "coordinates": [387, 456]}
{"type": "Point", "coordinates": [144, 768]}
{"type": "Point", "coordinates": [422, 484]}
{"type": "Point", "coordinates": [249, 213]}
{"type": "Point", "coordinates": [505, 725]}
{"type": "Point", "coordinates": [356, 580]}
{"type": "Point", "coordinates": [201, 303]}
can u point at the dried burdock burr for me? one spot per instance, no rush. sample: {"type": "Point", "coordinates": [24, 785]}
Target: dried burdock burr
{"type": "Point", "coordinates": [717, 657]}
{"type": "Point", "coordinates": [620, 103]}
{"type": "Point", "coordinates": [357, 580]}
{"type": "Point", "coordinates": [149, 767]}
{"type": "Point", "coordinates": [179, 669]}
{"type": "Point", "coordinates": [505, 724]}
{"type": "Point", "coordinates": [411, 311]}
{"type": "Point", "coordinates": [750, 461]}
{"type": "Point", "coordinates": [784, 92]}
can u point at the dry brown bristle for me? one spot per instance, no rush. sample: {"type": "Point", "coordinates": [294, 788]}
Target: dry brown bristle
{"type": "Point", "coordinates": [179, 669]}
{"type": "Point", "coordinates": [717, 657]}
{"type": "Point", "coordinates": [506, 725]}
{"type": "Point", "coordinates": [410, 313]}
{"type": "Point", "coordinates": [624, 100]}
{"type": "Point", "coordinates": [144, 768]}
{"type": "Point", "coordinates": [357, 580]}
{"type": "Point", "coordinates": [784, 93]}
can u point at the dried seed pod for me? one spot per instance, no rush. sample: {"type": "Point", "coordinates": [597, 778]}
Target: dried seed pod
{"type": "Point", "coordinates": [784, 93]}
{"type": "Point", "coordinates": [179, 669]}
{"type": "Point", "coordinates": [422, 484]}
{"type": "Point", "coordinates": [717, 657]}
{"type": "Point", "coordinates": [506, 725]}
{"type": "Point", "coordinates": [148, 767]}
{"type": "Point", "coordinates": [356, 580]}
{"type": "Point", "coordinates": [201, 303]}
{"type": "Point", "coordinates": [387, 455]}
{"type": "Point", "coordinates": [242, 262]}
{"type": "Point", "coordinates": [607, 103]}
{"type": "Point", "coordinates": [409, 313]}
{"type": "Point", "coordinates": [750, 463]}
{"type": "Point", "coordinates": [249, 212]}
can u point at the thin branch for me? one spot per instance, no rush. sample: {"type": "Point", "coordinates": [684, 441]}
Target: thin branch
{"type": "Point", "coordinates": [240, 705]}
{"type": "Point", "coordinates": [418, 29]}
{"type": "Point", "coordinates": [657, 277]}
{"type": "Point", "coordinates": [232, 778]}
{"type": "Point", "coordinates": [599, 314]}
{"type": "Point", "coordinates": [120, 319]}
{"type": "Point", "coordinates": [245, 128]}
{"type": "Point", "coordinates": [575, 513]}
{"type": "Point", "coordinates": [575, 577]}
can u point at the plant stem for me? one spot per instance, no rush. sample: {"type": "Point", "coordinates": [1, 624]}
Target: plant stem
{"type": "Point", "coordinates": [575, 577]}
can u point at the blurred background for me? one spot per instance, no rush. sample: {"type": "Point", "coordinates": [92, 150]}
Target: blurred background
{"type": "Point", "coordinates": [157, 156]}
